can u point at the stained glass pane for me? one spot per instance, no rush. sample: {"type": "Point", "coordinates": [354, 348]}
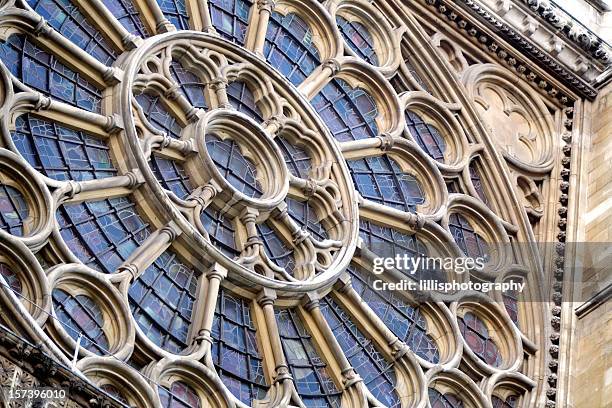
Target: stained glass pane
{"type": "Point", "coordinates": [171, 175]}
{"type": "Point", "coordinates": [276, 249]}
{"type": "Point", "coordinates": [60, 152]}
{"type": "Point", "coordinates": [235, 352]}
{"type": "Point", "coordinates": [10, 277]}
{"type": "Point", "coordinates": [158, 116]}
{"type": "Point", "coordinates": [510, 402]}
{"type": "Point", "coordinates": [176, 12]}
{"type": "Point", "coordinates": [312, 380]}
{"type": "Point", "coordinates": [81, 315]}
{"type": "Point", "coordinates": [220, 231]}
{"type": "Point", "coordinates": [104, 233]}
{"type": "Point", "coordinates": [180, 395]}
{"type": "Point", "coordinates": [380, 179]}
{"type": "Point", "coordinates": [477, 182]}
{"type": "Point", "coordinates": [476, 335]}
{"type": "Point", "coordinates": [426, 136]}
{"type": "Point", "coordinates": [41, 71]}
{"type": "Point", "coordinates": [114, 392]}
{"type": "Point", "coordinates": [358, 38]}
{"type": "Point", "coordinates": [68, 20]}
{"type": "Point", "coordinates": [190, 85]}
{"type": "Point", "coordinates": [127, 14]}
{"type": "Point", "coordinates": [289, 47]}
{"type": "Point", "coordinates": [377, 373]}
{"type": "Point", "coordinates": [511, 301]}
{"type": "Point", "coordinates": [439, 400]}
{"type": "Point", "coordinates": [471, 243]}
{"type": "Point", "coordinates": [405, 321]}
{"type": "Point", "coordinates": [13, 210]}
{"type": "Point", "coordinates": [349, 113]}
{"type": "Point", "coordinates": [304, 215]}
{"type": "Point", "coordinates": [243, 100]}
{"type": "Point", "coordinates": [297, 159]}
{"type": "Point", "coordinates": [239, 171]}
{"type": "Point", "coordinates": [162, 301]}
{"type": "Point", "coordinates": [230, 18]}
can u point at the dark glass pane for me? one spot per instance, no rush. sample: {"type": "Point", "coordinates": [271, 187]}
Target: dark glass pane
{"type": "Point", "coordinates": [511, 303]}
{"type": "Point", "coordinates": [380, 179]}
{"type": "Point", "coordinates": [405, 321]}
{"type": "Point", "coordinates": [510, 402]}
{"type": "Point", "coordinates": [276, 249]}
{"type": "Point", "coordinates": [289, 47]}
{"type": "Point", "coordinates": [11, 278]}
{"type": "Point", "coordinates": [81, 315]}
{"type": "Point", "coordinates": [358, 38]}
{"type": "Point", "coordinates": [158, 116]}
{"type": "Point", "coordinates": [190, 85]}
{"type": "Point", "coordinates": [68, 20]}
{"type": "Point", "coordinates": [60, 152]}
{"type": "Point", "coordinates": [350, 114]}
{"type": "Point", "coordinates": [312, 381]}
{"type": "Point", "coordinates": [220, 231]}
{"type": "Point", "coordinates": [235, 352]}
{"type": "Point", "coordinates": [472, 244]}
{"type": "Point", "coordinates": [242, 99]}
{"type": "Point", "coordinates": [102, 234]}
{"type": "Point", "coordinates": [162, 301]}
{"type": "Point", "coordinates": [239, 171]}
{"type": "Point", "coordinates": [477, 337]}
{"type": "Point", "coordinates": [127, 14]}
{"type": "Point", "coordinates": [180, 395]}
{"type": "Point", "coordinates": [303, 214]}
{"type": "Point", "coordinates": [13, 210]}
{"type": "Point", "coordinates": [438, 400]}
{"type": "Point", "coordinates": [230, 18]}
{"type": "Point", "coordinates": [426, 136]}
{"type": "Point", "coordinates": [41, 71]}
{"type": "Point", "coordinates": [176, 12]}
{"type": "Point", "coordinates": [377, 373]}
{"type": "Point", "coordinates": [477, 182]}
{"type": "Point", "coordinates": [171, 175]}
{"type": "Point", "coordinates": [114, 392]}
{"type": "Point", "coordinates": [297, 160]}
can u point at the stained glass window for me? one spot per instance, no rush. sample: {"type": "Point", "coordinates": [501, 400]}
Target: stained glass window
{"type": "Point", "coordinates": [230, 18]}
{"type": "Point", "coordinates": [190, 85]}
{"type": "Point", "coordinates": [405, 321]}
{"type": "Point", "coordinates": [381, 179]}
{"type": "Point", "coordinates": [60, 152]}
{"type": "Point", "coordinates": [471, 243]}
{"type": "Point", "coordinates": [104, 233]}
{"type": "Point", "coordinates": [13, 210]}
{"type": "Point", "coordinates": [114, 392]}
{"type": "Point", "coordinates": [476, 335]}
{"type": "Point", "coordinates": [81, 315]}
{"type": "Point", "coordinates": [10, 277]}
{"type": "Point", "coordinates": [439, 400]}
{"type": "Point", "coordinates": [42, 71]}
{"type": "Point", "coordinates": [289, 47]}
{"type": "Point", "coordinates": [171, 175]}
{"type": "Point", "coordinates": [377, 373]}
{"type": "Point", "coordinates": [238, 170]}
{"type": "Point", "coordinates": [180, 395]}
{"type": "Point", "coordinates": [68, 20]}
{"type": "Point", "coordinates": [235, 352]}
{"type": "Point", "coordinates": [427, 136]}
{"type": "Point", "coordinates": [275, 247]}
{"type": "Point", "coordinates": [176, 12]}
{"type": "Point", "coordinates": [158, 116]}
{"type": "Point", "coordinates": [127, 14]}
{"type": "Point", "coordinates": [510, 402]}
{"type": "Point", "coordinates": [358, 38]}
{"type": "Point", "coordinates": [477, 181]}
{"type": "Point", "coordinates": [511, 301]}
{"type": "Point", "coordinates": [349, 113]}
{"type": "Point", "coordinates": [312, 381]}
{"type": "Point", "coordinates": [220, 231]}
{"type": "Point", "coordinates": [243, 100]}
{"type": "Point", "coordinates": [297, 159]}
{"type": "Point", "coordinates": [162, 300]}
{"type": "Point", "coordinates": [304, 214]}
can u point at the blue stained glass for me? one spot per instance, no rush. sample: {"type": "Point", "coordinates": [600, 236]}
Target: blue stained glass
{"type": "Point", "coordinates": [380, 179]}
{"type": "Point", "coordinates": [180, 395]}
{"type": "Point", "coordinates": [80, 314]}
{"type": "Point", "coordinates": [242, 99]}
{"type": "Point", "coordinates": [190, 85]}
{"type": "Point", "coordinates": [289, 47]}
{"type": "Point", "coordinates": [297, 159]}
{"type": "Point", "coordinates": [13, 210]}
{"type": "Point", "coordinates": [60, 152]}
{"type": "Point", "coordinates": [102, 234]}
{"type": "Point", "coordinates": [304, 214]}
{"type": "Point", "coordinates": [276, 249]}
{"type": "Point", "coordinates": [127, 14]}
{"type": "Point", "coordinates": [11, 278]}
{"type": "Point", "coordinates": [377, 373]}
{"type": "Point", "coordinates": [239, 171]}
{"type": "Point", "coordinates": [176, 12]}
{"type": "Point", "coordinates": [68, 20]}
{"type": "Point", "coordinates": [470, 242]}
{"type": "Point", "coordinates": [510, 402]}
{"type": "Point", "coordinates": [230, 18]}
{"type": "Point", "coordinates": [235, 352]}
{"type": "Point", "coordinates": [426, 136]}
{"type": "Point", "coordinates": [312, 381]}
{"type": "Point", "coordinates": [439, 400]}
{"type": "Point", "coordinates": [158, 116]}
{"type": "Point", "coordinates": [171, 175]}
{"type": "Point", "coordinates": [41, 71]}
{"type": "Point", "coordinates": [476, 335]}
{"type": "Point", "coordinates": [350, 114]}
{"type": "Point", "coordinates": [405, 321]}
{"type": "Point", "coordinates": [358, 38]}
{"type": "Point", "coordinates": [162, 300]}
{"type": "Point", "coordinates": [220, 231]}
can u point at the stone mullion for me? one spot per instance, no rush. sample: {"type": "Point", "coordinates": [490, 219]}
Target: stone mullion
{"type": "Point", "coordinates": [205, 312]}
{"type": "Point", "coordinates": [256, 34]}
{"type": "Point", "coordinates": [363, 147]}
{"type": "Point", "coordinates": [374, 211]}
{"type": "Point", "coordinates": [319, 78]}
{"type": "Point", "coordinates": [168, 147]}
{"type": "Point", "coordinates": [106, 22]}
{"type": "Point", "coordinates": [156, 17]}
{"type": "Point", "coordinates": [207, 25]}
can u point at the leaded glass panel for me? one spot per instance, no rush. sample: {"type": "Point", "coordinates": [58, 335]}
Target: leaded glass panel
{"type": "Point", "coordinates": [220, 231]}
{"type": "Point", "coordinates": [358, 38]}
{"type": "Point", "coordinates": [476, 335]}
{"type": "Point", "coordinates": [180, 395]}
{"type": "Point", "coordinates": [439, 400]}
{"type": "Point", "coordinates": [470, 242]}
{"type": "Point", "coordinates": [158, 116]}
{"type": "Point", "coordinates": [276, 249]}
{"type": "Point", "coordinates": [190, 85]}
{"type": "Point", "coordinates": [13, 210]}
{"type": "Point", "coordinates": [230, 18]}
{"type": "Point", "coordinates": [171, 175]}
{"type": "Point", "coordinates": [427, 136]}
{"type": "Point", "coordinates": [243, 100]}
{"type": "Point", "coordinates": [11, 278]}
{"type": "Point", "coordinates": [176, 12]}
{"type": "Point", "coordinates": [127, 14]}
{"type": "Point", "coordinates": [305, 215]}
